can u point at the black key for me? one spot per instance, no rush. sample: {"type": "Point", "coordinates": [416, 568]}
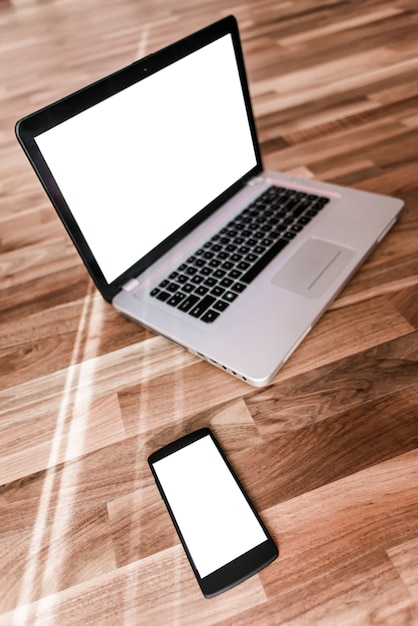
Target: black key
{"type": "Point", "coordinates": [239, 241]}
{"type": "Point", "coordinates": [296, 228]}
{"type": "Point", "coordinates": [210, 316]}
{"type": "Point", "coordinates": [230, 296]}
{"type": "Point", "coordinates": [280, 228]}
{"type": "Point", "coordinates": [288, 236]}
{"type": "Point", "coordinates": [238, 287]}
{"type": "Point", "coordinates": [217, 291]}
{"type": "Point", "coordinates": [298, 210]}
{"type": "Point", "coordinates": [273, 221]}
{"type": "Point", "coordinates": [154, 293]}
{"type": "Point", "coordinates": [176, 299]}
{"type": "Point", "coordinates": [188, 303]}
{"type": "Point", "coordinates": [163, 295]}
{"type": "Point", "coordinates": [235, 274]}
{"type": "Point", "coordinates": [226, 282]}
{"type": "Point", "coordinates": [210, 282]}
{"type": "Point", "coordinates": [322, 201]}
{"type": "Point", "coordinates": [243, 265]}
{"type": "Point", "coordinates": [188, 288]}
{"type": "Point", "coordinates": [263, 261]}
{"type": "Point", "coordinates": [220, 305]}
{"type": "Point", "coordinates": [201, 291]}
{"type": "Point", "coordinates": [201, 306]}
{"type": "Point", "coordinates": [172, 287]}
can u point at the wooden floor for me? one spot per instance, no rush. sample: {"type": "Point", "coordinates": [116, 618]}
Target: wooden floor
{"type": "Point", "coordinates": [328, 451]}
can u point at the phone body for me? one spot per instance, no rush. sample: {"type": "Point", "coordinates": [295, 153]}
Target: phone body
{"type": "Point", "coordinates": [224, 538]}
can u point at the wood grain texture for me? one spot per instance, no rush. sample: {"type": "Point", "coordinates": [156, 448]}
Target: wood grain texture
{"type": "Point", "coordinates": [328, 451]}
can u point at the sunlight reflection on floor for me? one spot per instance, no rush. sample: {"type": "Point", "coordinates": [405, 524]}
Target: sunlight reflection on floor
{"type": "Point", "coordinates": [67, 442]}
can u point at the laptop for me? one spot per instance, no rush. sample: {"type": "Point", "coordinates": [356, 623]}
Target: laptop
{"type": "Point", "coordinates": [157, 175]}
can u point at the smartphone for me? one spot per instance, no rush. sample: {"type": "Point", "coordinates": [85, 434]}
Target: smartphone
{"type": "Point", "coordinates": [221, 532]}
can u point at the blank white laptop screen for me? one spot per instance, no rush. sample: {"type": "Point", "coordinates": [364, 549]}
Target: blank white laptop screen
{"type": "Point", "coordinates": [138, 165]}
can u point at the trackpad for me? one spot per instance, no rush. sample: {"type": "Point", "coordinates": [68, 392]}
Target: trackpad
{"type": "Point", "coordinates": [313, 267]}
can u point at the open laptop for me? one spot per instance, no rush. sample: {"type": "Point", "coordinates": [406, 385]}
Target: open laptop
{"type": "Point", "coordinates": [157, 176]}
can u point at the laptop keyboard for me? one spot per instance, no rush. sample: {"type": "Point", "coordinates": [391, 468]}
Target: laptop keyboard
{"type": "Point", "coordinates": [220, 270]}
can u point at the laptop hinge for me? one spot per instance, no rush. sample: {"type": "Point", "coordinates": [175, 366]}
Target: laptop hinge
{"type": "Point", "coordinates": [255, 181]}
{"type": "Point", "coordinates": [130, 285]}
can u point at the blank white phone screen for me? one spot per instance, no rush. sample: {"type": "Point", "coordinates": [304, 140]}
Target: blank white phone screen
{"type": "Point", "coordinates": [214, 517]}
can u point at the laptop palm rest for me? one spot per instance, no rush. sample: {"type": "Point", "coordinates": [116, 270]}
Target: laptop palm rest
{"type": "Point", "coordinates": [313, 267]}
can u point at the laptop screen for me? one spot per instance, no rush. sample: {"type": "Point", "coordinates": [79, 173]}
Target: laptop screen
{"type": "Point", "coordinates": [138, 165]}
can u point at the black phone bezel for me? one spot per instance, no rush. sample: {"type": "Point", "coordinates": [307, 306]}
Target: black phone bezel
{"type": "Point", "coordinates": [240, 568]}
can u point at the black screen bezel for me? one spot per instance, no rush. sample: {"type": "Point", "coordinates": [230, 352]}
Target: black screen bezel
{"type": "Point", "coordinates": [244, 566]}
{"type": "Point", "coordinates": [33, 125]}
